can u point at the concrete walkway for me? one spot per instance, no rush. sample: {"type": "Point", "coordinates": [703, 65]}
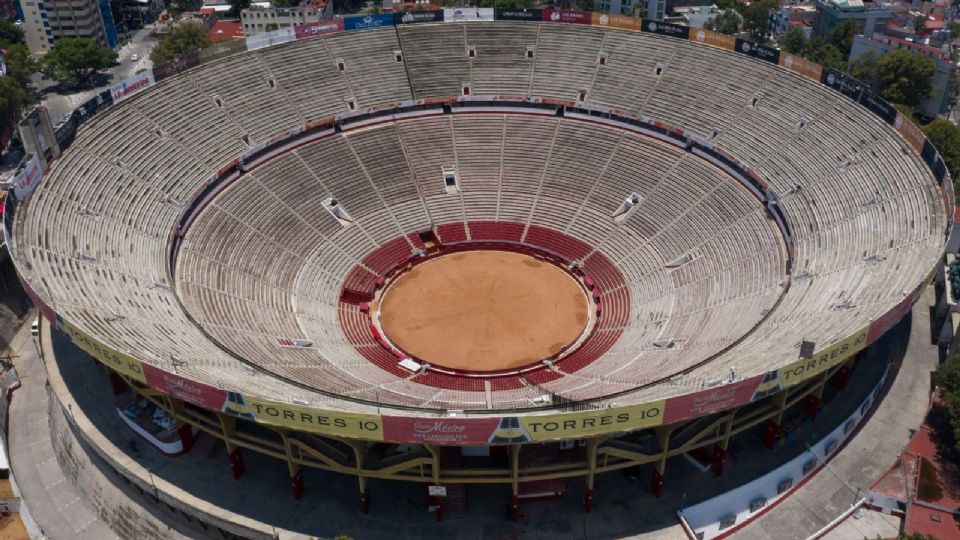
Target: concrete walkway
{"type": "Point", "coordinates": [872, 450]}
{"type": "Point", "coordinates": [55, 503]}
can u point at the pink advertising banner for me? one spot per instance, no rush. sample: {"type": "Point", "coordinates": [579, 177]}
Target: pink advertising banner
{"type": "Point", "coordinates": [191, 391]}
{"type": "Point", "coordinates": [710, 401]}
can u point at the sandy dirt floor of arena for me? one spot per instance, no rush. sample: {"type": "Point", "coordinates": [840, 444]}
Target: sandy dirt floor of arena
{"type": "Point", "coordinates": [483, 310]}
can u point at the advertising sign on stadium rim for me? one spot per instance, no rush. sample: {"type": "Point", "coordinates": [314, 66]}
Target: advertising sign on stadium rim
{"type": "Point", "coordinates": [567, 17]}
{"type": "Point", "coordinates": [802, 66]}
{"type": "Point", "coordinates": [368, 21]}
{"type": "Point", "coordinates": [131, 86]}
{"type": "Point", "coordinates": [624, 22]}
{"type": "Point", "coordinates": [710, 401]}
{"type": "Point", "coordinates": [502, 14]}
{"type": "Point", "coordinates": [666, 29]}
{"type": "Point", "coordinates": [714, 39]}
{"type": "Point", "coordinates": [179, 387]}
{"type": "Point", "coordinates": [755, 50]}
{"type": "Point", "coordinates": [320, 28]}
{"type": "Point", "coordinates": [413, 17]}
{"type": "Point", "coordinates": [28, 179]}
{"type": "Point", "coordinates": [304, 418]}
{"type": "Point", "coordinates": [118, 361]}
{"type": "Point", "coordinates": [805, 368]}
{"type": "Point", "coordinates": [467, 14]}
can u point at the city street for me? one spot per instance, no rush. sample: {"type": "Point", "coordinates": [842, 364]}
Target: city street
{"type": "Point", "coordinates": [60, 105]}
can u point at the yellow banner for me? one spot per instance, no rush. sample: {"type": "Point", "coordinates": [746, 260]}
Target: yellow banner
{"type": "Point", "coordinates": [585, 424]}
{"type": "Point", "coordinates": [343, 424]}
{"type": "Point", "coordinates": [120, 362]}
{"type": "Point", "coordinates": [625, 22]}
{"type": "Point", "coordinates": [796, 64]}
{"type": "Point", "coordinates": [821, 361]}
{"type": "Point", "coordinates": [714, 39]}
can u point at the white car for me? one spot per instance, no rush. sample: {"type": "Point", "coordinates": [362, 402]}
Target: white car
{"type": "Point", "coordinates": [35, 327]}
{"type": "Point", "coordinates": [134, 57]}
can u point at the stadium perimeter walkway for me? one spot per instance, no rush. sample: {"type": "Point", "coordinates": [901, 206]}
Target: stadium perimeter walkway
{"type": "Point", "coordinates": [55, 503]}
{"type": "Point", "coordinates": [870, 452]}
{"type": "Point", "coordinates": [329, 507]}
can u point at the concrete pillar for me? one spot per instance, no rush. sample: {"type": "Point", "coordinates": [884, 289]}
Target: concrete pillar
{"type": "Point", "coordinates": [719, 459]}
{"type": "Point", "coordinates": [663, 438]}
{"type": "Point", "coordinates": [515, 480]}
{"type": "Point", "coordinates": [364, 496]}
{"type": "Point", "coordinates": [117, 384]}
{"type": "Point", "coordinates": [592, 445]}
{"type": "Point", "coordinates": [771, 431]}
{"type": "Point", "coordinates": [228, 426]}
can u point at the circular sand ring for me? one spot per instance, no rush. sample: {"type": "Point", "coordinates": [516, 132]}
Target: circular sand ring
{"type": "Point", "coordinates": [484, 311]}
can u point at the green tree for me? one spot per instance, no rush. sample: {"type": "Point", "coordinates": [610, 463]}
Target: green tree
{"type": "Point", "coordinates": [10, 34]}
{"type": "Point", "coordinates": [945, 137]}
{"type": "Point", "coordinates": [756, 17]}
{"type": "Point", "coordinates": [794, 41]}
{"type": "Point", "coordinates": [76, 61]}
{"type": "Point", "coordinates": [865, 69]}
{"type": "Point", "coordinates": [13, 98]}
{"type": "Point", "coordinates": [186, 38]}
{"type": "Point", "coordinates": [236, 6]}
{"type": "Point", "coordinates": [824, 54]}
{"type": "Point", "coordinates": [842, 36]}
{"type": "Point", "coordinates": [727, 22]}
{"type": "Point", "coordinates": [20, 64]}
{"type": "Point", "coordinates": [905, 77]}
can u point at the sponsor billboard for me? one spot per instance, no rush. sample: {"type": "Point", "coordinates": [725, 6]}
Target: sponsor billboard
{"type": "Point", "coordinates": [303, 418]}
{"type": "Point", "coordinates": [266, 39]}
{"type": "Point", "coordinates": [440, 430]}
{"type": "Point", "coordinates": [802, 66]}
{"type": "Point", "coordinates": [909, 131]}
{"type": "Point", "coordinates": [132, 85]}
{"type": "Point", "coordinates": [710, 401]}
{"type": "Point", "coordinates": [414, 17]}
{"type": "Point", "coordinates": [501, 14]}
{"type": "Point", "coordinates": [467, 14]}
{"type": "Point", "coordinates": [666, 29]}
{"type": "Point", "coordinates": [847, 86]}
{"type": "Point", "coordinates": [567, 17]}
{"type": "Point", "coordinates": [585, 424]}
{"type": "Point", "coordinates": [760, 52]}
{"type": "Point", "coordinates": [179, 387]}
{"type": "Point", "coordinates": [714, 39]}
{"type": "Point", "coordinates": [171, 68]}
{"type": "Point", "coordinates": [232, 46]}
{"type": "Point", "coordinates": [118, 361]}
{"type": "Point", "coordinates": [624, 22]}
{"type": "Point", "coordinates": [28, 178]}
{"type": "Point", "coordinates": [319, 28]}
{"type": "Point", "coordinates": [878, 106]}
{"type": "Point", "coordinates": [367, 22]}
{"type": "Point", "coordinates": [821, 361]}
{"type": "Point", "coordinates": [932, 158]}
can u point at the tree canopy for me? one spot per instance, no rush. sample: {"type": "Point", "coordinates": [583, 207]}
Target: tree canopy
{"type": "Point", "coordinates": [945, 137]}
{"type": "Point", "coordinates": [236, 6]}
{"type": "Point", "coordinates": [13, 98]}
{"type": "Point", "coordinates": [905, 77]}
{"type": "Point", "coordinates": [756, 18]}
{"type": "Point", "coordinates": [823, 53]}
{"type": "Point", "coordinates": [947, 376]}
{"type": "Point", "coordinates": [727, 22]}
{"type": "Point", "coordinates": [76, 61]}
{"type": "Point", "coordinates": [864, 69]}
{"type": "Point", "coordinates": [10, 34]}
{"type": "Point", "coordinates": [186, 38]}
{"type": "Point", "coordinates": [842, 36]}
{"type": "Point", "coordinates": [794, 41]}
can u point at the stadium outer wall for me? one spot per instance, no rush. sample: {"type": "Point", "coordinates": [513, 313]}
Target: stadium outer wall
{"type": "Point", "coordinates": [214, 410]}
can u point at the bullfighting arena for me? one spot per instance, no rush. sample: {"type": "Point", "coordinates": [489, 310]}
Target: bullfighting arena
{"type": "Point", "coordinates": [519, 248]}
{"type": "Point", "coordinates": [484, 311]}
